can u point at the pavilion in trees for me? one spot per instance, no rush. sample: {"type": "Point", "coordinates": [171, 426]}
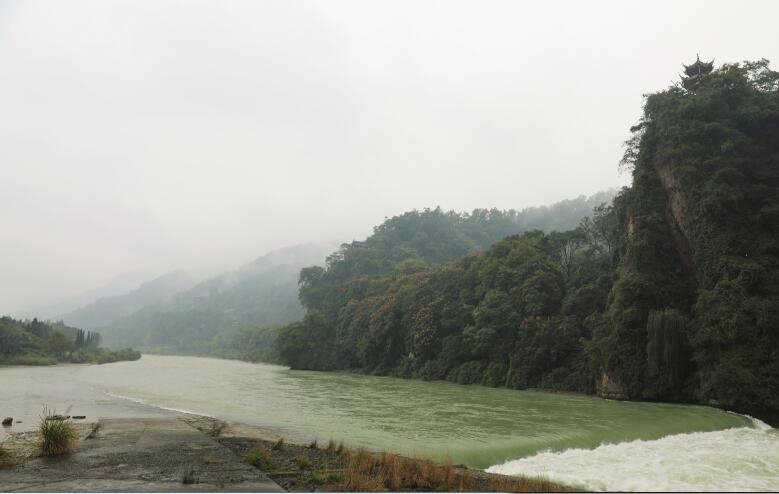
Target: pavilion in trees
{"type": "Point", "coordinates": [695, 73]}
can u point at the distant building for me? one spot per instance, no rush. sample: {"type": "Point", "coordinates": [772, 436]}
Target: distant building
{"type": "Point", "coordinates": [695, 73]}
{"type": "Point", "coordinates": [355, 244]}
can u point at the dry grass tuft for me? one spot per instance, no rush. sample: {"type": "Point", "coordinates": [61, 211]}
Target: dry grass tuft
{"type": "Point", "coordinates": [216, 428]}
{"type": "Point", "coordinates": [330, 446]}
{"type": "Point", "coordinates": [303, 462]}
{"type": "Point", "coordinates": [261, 458]}
{"type": "Point", "coordinates": [189, 477]}
{"type": "Point", "coordinates": [313, 444]}
{"type": "Point", "coordinates": [368, 472]}
{"type": "Point", "coordinates": [93, 432]}
{"type": "Point", "coordinates": [6, 459]}
{"type": "Point", "coordinates": [278, 445]}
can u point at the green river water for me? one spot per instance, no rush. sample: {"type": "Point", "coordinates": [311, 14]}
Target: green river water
{"type": "Point", "coordinates": [577, 439]}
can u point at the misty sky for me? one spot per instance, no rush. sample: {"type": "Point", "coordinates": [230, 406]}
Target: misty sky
{"type": "Point", "coordinates": [159, 135]}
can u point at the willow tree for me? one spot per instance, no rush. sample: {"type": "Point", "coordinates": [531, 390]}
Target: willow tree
{"type": "Point", "coordinates": [668, 352]}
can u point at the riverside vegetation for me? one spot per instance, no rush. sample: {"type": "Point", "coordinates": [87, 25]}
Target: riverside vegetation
{"type": "Point", "coordinates": [44, 343]}
{"type": "Point", "coordinates": [58, 434]}
{"type": "Point", "coordinates": [337, 468]}
{"type": "Point", "coordinates": [671, 292]}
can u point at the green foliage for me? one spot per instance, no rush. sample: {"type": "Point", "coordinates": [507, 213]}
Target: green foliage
{"type": "Point", "coordinates": [668, 352]}
{"type": "Point", "coordinates": [417, 240]}
{"type": "Point", "coordinates": [491, 318]}
{"type": "Point", "coordinates": [44, 343]}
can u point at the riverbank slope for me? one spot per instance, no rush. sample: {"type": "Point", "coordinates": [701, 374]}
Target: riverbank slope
{"type": "Point", "coordinates": [201, 454]}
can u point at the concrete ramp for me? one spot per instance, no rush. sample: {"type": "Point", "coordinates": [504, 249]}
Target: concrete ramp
{"type": "Point", "coordinates": [140, 455]}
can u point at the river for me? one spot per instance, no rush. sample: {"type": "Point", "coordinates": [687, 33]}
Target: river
{"type": "Point", "coordinates": [580, 440]}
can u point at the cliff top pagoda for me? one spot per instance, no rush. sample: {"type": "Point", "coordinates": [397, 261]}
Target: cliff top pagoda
{"type": "Point", "coordinates": [695, 73]}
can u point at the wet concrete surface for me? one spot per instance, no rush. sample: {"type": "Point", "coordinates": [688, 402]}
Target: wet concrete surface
{"type": "Point", "coordinates": [140, 455]}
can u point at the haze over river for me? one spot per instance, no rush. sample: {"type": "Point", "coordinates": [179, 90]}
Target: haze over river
{"type": "Point", "coordinates": [580, 440]}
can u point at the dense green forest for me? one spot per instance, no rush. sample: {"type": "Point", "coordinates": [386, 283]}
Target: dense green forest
{"type": "Point", "coordinates": [416, 240]}
{"type": "Point", "coordinates": [669, 293]}
{"type": "Point", "coordinates": [45, 343]}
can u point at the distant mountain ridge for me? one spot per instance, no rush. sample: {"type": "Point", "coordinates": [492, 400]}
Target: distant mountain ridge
{"type": "Point", "coordinates": [117, 285]}
{"type": "Point", "coordinates": [195, 320]}
{"type": "Point", "coordinates": [106, 310]}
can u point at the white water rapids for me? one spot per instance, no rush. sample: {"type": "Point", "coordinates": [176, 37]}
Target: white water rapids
{"type": "Point", "coordinates": [738, 459]}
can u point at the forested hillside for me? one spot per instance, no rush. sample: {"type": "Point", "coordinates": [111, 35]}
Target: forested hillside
{"type": "Point", "coordinates": [44, 343]}
{"type": "Point", "coordinates": [209, 317]}
{"type": "Point", "coordinates": [418, 240]}
{"type": "Point", "coordinates": [414, 242]}
{"type": "Point", "coordinates": [671, 293]}
{"type": "Point", "coordinates": [695, 307]}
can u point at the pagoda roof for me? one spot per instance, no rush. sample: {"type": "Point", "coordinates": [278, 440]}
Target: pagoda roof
{"type": "Point", "coordinates": [698, 67]}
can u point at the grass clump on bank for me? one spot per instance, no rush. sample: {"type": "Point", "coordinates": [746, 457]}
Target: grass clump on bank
{"type": "Point", "coordinates": [371, 472]}
{"type": "Point", "coordinates": [189, 477]}
{"type": "Point", "coordinates": [58, 434]}
{"type": "Point", "coordinates": [303, 461]}
{"type": "Point", "coordinates": [260, 457]}
{"type": "Point", "coordinates": [216, 428]}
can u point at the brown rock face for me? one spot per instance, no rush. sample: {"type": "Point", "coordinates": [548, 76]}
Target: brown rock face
{"type": "Point", "coordinates": [675, 213]}
{"type": "Point", "coordinates": [608, 388]}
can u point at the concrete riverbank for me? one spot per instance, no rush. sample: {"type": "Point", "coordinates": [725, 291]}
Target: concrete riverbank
{"type": "Point", "coordinates": [136, 455]}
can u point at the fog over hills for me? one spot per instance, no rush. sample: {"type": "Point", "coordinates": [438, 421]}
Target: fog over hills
{"type": "Point", "coordinates": [262, 292]}
{"type": "Point", "coordinates": [118, 285]}
{"type": "Point", "coordinates": [105, 310]}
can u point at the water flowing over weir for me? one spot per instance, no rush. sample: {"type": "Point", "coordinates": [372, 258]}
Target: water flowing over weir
{"type": "Point", "coordinates": [582, 440]}
{"type": "Point", "coordinates": [737, 459]}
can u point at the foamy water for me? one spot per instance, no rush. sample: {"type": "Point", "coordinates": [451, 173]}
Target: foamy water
{"type": "Point", "coordinates": [738, 459]}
